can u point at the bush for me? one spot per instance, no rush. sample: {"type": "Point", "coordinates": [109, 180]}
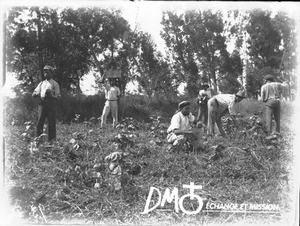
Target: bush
{"type": "Point", "coordinates": [19, 110]}
{"type": "Point", "coordinates": [134, 106]}
{"type": "Point", "coordinates": [250, 107]}
{"type": "Point", "coordinates": [85, 106]}
{"type": "Point", "coordinates": [24, 108]}
{"type": "Point", "coordinates": [164, 104]}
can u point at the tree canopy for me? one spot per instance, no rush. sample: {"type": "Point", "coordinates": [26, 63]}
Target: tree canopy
{"type": "Point", "coordinates": [76, 41]}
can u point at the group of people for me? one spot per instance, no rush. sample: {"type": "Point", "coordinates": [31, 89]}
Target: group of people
{"type": "Point", "coordinates": [211, 108]}
{"type": "Point", "coordinates": [48, 93]}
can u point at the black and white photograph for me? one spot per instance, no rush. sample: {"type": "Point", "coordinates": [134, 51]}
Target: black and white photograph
{"type": "Point", "coordinates": [149, 113]}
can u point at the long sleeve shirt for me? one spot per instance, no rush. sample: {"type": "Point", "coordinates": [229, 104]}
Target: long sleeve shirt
{"type": "Point", "coordinates": [45, 85]}
{"type": "Point", "coordinates": [226, 101]}
{"type": "Point", "coordinates": [181, 122]}
{"type": "Point", "coordinates": [272, 90]}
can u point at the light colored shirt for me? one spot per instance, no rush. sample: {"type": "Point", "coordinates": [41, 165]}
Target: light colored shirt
{"type": "Point", "coordinates": [47, 85]}
{"type": "Point", "coordinates": [181, 122]}
{"type": "Point", "coordinates": [112, 92]}
{"type": "Point", "coordinates": [203, 92]}
{"type": "Point", "coordinates": [272, 90]}
{"type": "Point", "coordinates": [226, 101]}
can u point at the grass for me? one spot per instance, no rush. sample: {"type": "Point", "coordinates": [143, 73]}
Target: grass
{"type": "Point", "coordinates": [56, 184]}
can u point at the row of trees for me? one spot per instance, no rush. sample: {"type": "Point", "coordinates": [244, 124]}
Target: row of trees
{"type": "Point", "coordinates": [77, 41]}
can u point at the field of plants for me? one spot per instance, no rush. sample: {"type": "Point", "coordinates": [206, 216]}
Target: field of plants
{"type": "Point", "coordinates": [99, 176]}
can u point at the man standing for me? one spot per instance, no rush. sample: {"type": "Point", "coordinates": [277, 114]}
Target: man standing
{"type": "Point", "coordinates": [179, 131]}
{"type": "Point", "coordinates": [112, 95]}
{"type": "Point", "coordinates": [203, 97]}
{"type": "Point", "coordinates": [48, 93]}
{"type": "Point", "coordinates": [218, 106]}
{"type": "Point", "coordinates": [270, 94]}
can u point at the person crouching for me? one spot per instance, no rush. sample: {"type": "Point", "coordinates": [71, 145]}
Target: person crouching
{"type": "Point", "coordinates": [179, 132]}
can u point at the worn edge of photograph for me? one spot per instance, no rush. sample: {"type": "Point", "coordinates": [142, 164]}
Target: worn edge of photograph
{"type": "Point", "coordinates": [100, 115]}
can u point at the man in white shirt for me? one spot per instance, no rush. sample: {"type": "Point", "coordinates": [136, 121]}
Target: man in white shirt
{"type": "Point", "coordinates": [218, 106]}
{"type": "Point", "coordinates": [48, 93]}
{"type": "Point", "coordinates": [179, 130]}
{"type": "Point", "coordinates": [203, 97]}
{"type": "Point", "coordinates": [112, 94]}
{"type": "Point", "coordinates": [270, 94]}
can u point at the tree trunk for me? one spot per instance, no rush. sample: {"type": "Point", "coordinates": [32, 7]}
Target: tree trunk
{"type": "Point", "coordinates": [244, 75]}
{"type": "Point", "coordinates": [39, 33]}
{"type": "Point", "coordinates": [213, 78]}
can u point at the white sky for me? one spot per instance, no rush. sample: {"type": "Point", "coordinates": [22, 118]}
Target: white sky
{"type": "Point", "coordinates": [146, 16]}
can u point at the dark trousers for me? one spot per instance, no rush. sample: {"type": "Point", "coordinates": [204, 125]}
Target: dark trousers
{"type": "Point", "coordinates": [273, 109]}
{"type": "Point", "coordinates": [203, 114]}
{"type": "Point", "coordinates": [47, 110]}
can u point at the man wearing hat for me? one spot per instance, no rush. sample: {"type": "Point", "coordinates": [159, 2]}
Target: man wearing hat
{"type": "Point", "coordinates": [203, 97]}
{"type": "Point", "coordinates": [270, 94]}
{"type": "Point", "coordinates": [218, 106]}
{"type": "Point", "coordinates": [48, 93]}
{"type": "Point", "coordinates": [179, 130]}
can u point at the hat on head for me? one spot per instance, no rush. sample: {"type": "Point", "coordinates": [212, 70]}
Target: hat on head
{"type": "Point", "coordinates": [47, 67]}
{"type": "Point", "coordinates": [182, 104]}
{"type": "Point", "coordinates": [269, 78]}
{"type": "Point", "coordinates": [241, 93]}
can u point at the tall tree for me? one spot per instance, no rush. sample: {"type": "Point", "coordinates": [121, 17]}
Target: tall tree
{"type": "Point", "coordinates": [37, 37]}
{"type": "Point", "coordinates": [271, 47]}
{"type": "Point", "coordinates": [151, 71]}
{"type": "Point", "coordinates": [21, 42]}
{"type": "Point", "coordinates": [286, 27]}
{"type": "Point", "coordinates": [230, 70]}
{"type": "Point", "coordinates": [197, 44]}
{"type": "Point", "coordinates": [105, 35]}
{"type": "Point", "coordinates": [235, 22]}
{"type": "Point", "coordinates": [264, 40]}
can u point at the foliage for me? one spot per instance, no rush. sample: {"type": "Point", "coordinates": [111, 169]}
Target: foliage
{"type": "Point", "coordinates": [24, 108]}
{"type": "Point", "coordinates": [197, 45]}
{"type": "Point", "coordinates": [79, 40]}
{"type": "Point", "coordinates": [19, 110]}
{"type": "Point", "coordinates": [264, 40]}
{"type": "Point", "coordinates": [255, 79]}
{"type": "Point", "coordinates": [73, 181]}
{"type": "Point", "coordinates": [42, 39]}
{"type": "Point", "coordinates": [228, 84]}
{"type": "Point", "coordinates": [104, 33]}
{"type": "Point", "coordinates": [286, 27]}
{"type": "Point", "coordinates": [152, 71]}
{"type": "Point", "coordinates": [85, 106]}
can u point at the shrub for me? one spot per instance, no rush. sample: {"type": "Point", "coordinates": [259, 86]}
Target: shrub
{"type": "Point", "coordinates": [19, 110]}
{"type": "Point", "coordinates": [85, 106]}
{"type": "Point", "coordinates": [135, 106]}
{"type": "Point", "coordinates": [24, 108]}
{"type": "Point", "coordinates": [164, 104]}
{"type": "Point", "coordinates": [250, 107]}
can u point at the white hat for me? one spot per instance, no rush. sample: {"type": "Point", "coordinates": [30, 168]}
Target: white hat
{"type": "Point", "coordinates": [47, 67]}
